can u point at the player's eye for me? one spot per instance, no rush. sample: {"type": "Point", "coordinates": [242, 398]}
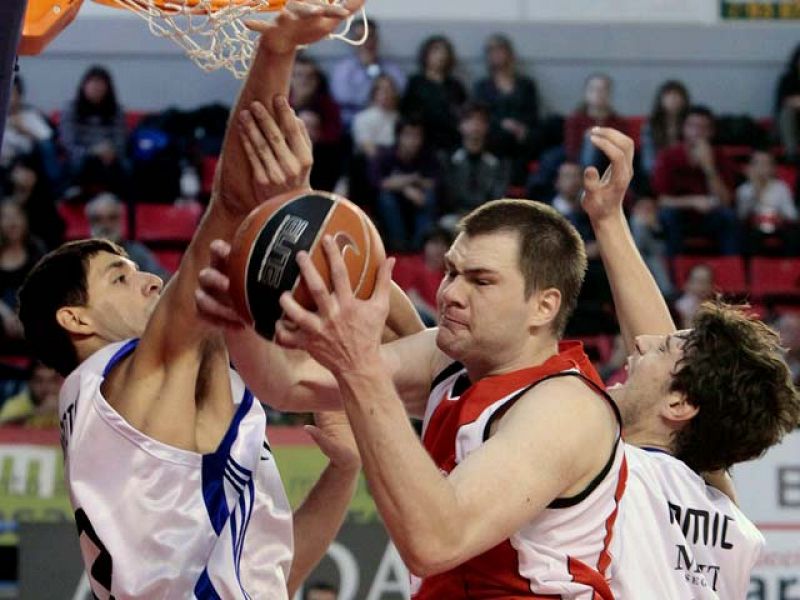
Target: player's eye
{"type": "Point", "coordinates": [120, 279]}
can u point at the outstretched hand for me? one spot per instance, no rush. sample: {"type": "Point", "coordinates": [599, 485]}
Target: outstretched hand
{"type": "Point", "coordinates": [603, 196]}
{"type": "Point", "coordinates": [344, 331]}
{"type": "Point", "coordinates": [212, 295]}
{"type": "Point", "coordinates": [303, 22]}
{"type": "Point", "coordinates": [332, 433]}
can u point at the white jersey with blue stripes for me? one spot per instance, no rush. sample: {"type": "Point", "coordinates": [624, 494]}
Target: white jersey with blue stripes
{"type": "Point", "coordinates": [160, 522]}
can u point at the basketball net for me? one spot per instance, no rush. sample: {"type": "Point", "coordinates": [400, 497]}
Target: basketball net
{"type": "Point", "coordinates": [212, 32]}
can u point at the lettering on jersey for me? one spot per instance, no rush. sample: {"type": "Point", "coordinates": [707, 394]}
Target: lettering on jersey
{"type": "Point", "coordinates": [66, 424]}
{"type": "Point", "coordinates": [281, 250]}
{"type": "Point", "coordinates": [789, 487]}
{"type": "Point", "coordinates": [699, 526]}
{"type": "Point", "coordinates": [694, 572]}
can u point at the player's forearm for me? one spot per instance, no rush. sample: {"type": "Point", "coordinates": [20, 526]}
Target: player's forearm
{"type": "Point", "coordinates": [318, 520]}
{"type": "Point", "coordinates": [417, 504]}
{"type": "Point", "coordinates": [641, 308]}
{"type": "Point", "coordinates": [269, 76]}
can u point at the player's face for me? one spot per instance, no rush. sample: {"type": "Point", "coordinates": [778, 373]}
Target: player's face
{"type": "Point", "coordinates": [121, 298]}
{"type": "Point", "coordinates": [650, 369]}
{"type": "Point", "coordinates": [483, 313]}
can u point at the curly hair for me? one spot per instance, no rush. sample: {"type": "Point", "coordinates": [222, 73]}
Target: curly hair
{"type": "Point", "coordinates": [733, 369]}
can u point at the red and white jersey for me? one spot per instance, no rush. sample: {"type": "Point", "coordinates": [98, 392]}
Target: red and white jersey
{"type": "Point", "coordinates": [564, 551]}
{"type": "Point", "coordinates": [677, 537]}
{"type": "Point", "coordinates": [159, 522]}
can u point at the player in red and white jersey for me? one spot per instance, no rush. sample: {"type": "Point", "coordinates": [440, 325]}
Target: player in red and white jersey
{"type": "Point", "coordinates": [695, 402]}
{"type": "Point", "coordinates": [175, 492]}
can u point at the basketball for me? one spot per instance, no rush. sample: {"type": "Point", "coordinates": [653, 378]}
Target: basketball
{"type": "Point", "coordinates": [262, 263]}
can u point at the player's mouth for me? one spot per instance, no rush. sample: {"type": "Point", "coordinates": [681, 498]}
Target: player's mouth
{"type": "Point", "coordinates": [452, 323]}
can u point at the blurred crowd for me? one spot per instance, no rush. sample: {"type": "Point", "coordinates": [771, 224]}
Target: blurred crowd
{"type": "Point", "coordinates": [417, 151]}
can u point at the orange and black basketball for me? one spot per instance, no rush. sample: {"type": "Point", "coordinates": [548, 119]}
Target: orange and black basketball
{"type": "Point", "coordinates": [263, 264]}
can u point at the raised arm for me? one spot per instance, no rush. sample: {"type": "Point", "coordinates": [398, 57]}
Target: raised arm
{"type": "Point", "coordinates": [157, 389]}
{"type": "Point", "coordinates": [641, 308]}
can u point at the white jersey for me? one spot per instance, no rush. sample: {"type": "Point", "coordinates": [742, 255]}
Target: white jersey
{"type": "Point", "coordinates": [160, 522]}
{"type": "Point", "coordinates": [677, 537]}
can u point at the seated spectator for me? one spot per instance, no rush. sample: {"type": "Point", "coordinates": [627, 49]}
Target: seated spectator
{"type": "Point", "coordinates": [787, 107]}
{"type": "Point", "coordinates": [694, 182]}
{"type": "Point", "coordinates": [472, 175]}
{"type": "Point", "coordinates": [19, 252]}
{"type": "Point", "coordinates": [663, 127]}
{"type": "Point", "coordinates": [405, 176]}
{"type": "Point", "coordinates": [28, 132]}
{"type": "Point", "coordinates": [328, 164]}
{"type": "Point", "coordinates": [596, 110]}
{"type": "Point", "coordinates": [569, 189]}
{"type": "Point", "coordinates": [37, 404]}
{"type": "Point", "coordinates": [321, 591]}
{"type": "Point", "coordinates": [435, 95]}
{"type": "Point", "coordinates": [27, 185]}
{"type": "Point", "coordinates": [513, 104]}
{"type": "Point", "coordinates": [421, 274]}
{"type": "Point", "coordinates": [788, 327]}
{"type": "Point", "coordinates": [698, 288]}
{"type": "Point", "coordinates": [373, 127]}
{"type": "Point", "coordinates": [353, 78]}
{"type": "Point", "coordinates": [648, 234]}
{"type": "Point", "coordinates": [764, 204]}
{"type": "Point", "coordinates": [94, 135]}
{"type": "Point", "coordinates": [104, 213]}
{"type": "Point", "coordinates": [309, 91]}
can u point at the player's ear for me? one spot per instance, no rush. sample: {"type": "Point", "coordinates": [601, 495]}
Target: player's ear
{"type": "Point", "coordinates": [545, 306]}
{"type": "Point", "coordinates": [678, 409]}
{"type": "Point", "coordinates": [75, 320]}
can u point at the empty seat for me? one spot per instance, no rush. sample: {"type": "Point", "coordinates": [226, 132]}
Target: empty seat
{"type": "Point", "coordinates": [729, 271]}
{"type": "Point", "coordinates": [774, 277]}
{"type": "Point", "coordinates": [167, 223]}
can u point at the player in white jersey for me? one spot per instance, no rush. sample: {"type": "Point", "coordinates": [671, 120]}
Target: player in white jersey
{"type": "Point", "coordinates": [174, 487]}
{"type": "Point", "coordinates": [695, 402]}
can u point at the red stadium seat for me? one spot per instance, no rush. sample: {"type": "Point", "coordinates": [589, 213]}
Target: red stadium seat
{"type": "Point", "coordinates": [603, 346]}
{"type": "Point", "coordinates": [635, 125]}
{"type": "Point", "coordinates": [774, 277]}
{"type": "Point", "coordinates": [170, 259]}
{"type": "Point", "coordinates": [207, 170]}
{"type": "Point", "coordinates": [167, 223]}
{"type": "Point", "coordinates": [729, 272]}
{"type": "Point", "coordinates": [74, 216]}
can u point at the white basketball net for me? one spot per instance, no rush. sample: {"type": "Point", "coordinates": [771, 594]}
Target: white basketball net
{"type": "Point", "coordinates": [214, 36]}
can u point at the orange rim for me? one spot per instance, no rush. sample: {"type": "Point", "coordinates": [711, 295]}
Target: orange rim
{"type": "Point", "coordinates": [166, 5]}
{"type": "Point", "coordinates": [44, 20]}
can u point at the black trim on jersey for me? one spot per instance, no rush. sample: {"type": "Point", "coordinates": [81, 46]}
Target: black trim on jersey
{"type": "Point", "coordinates": [581, 496]}
{"type": "Point", "coordinates": [448, 371]}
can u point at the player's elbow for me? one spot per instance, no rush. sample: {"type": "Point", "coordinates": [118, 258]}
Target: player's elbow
{"type": "Point", "coordinates": [428, 555]}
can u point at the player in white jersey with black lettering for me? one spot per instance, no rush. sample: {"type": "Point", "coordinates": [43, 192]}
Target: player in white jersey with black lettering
{"type": "Point", "coordinates": [175, 490]}
{"type": "Point", "coordinates": [696, 402]}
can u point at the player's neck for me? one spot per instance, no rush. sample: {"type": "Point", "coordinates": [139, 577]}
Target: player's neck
{"type": "Point", "coordinates": [647, 439]}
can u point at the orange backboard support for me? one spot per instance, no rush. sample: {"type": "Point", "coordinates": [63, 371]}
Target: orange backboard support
{"type": "Point", "coordinates": [44, 20]}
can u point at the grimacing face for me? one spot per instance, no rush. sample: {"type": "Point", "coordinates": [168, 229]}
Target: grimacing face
{"type": "Point", "coordinates": [121, 298]}
{"type": "Point", "coordinates": [650, 368]}
{"type": "Point", "coordinates": [483, 311]}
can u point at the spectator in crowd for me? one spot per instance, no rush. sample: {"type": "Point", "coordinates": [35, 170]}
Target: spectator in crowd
{"type": "Point", "coordinates": [353, 78]}
{"type": "Point", "coordinates": [94, 135]}
{"type": "Point", "coordinates": [698, 288]}
{"type": "Point", "coordinates": [104, 213]}
{"type": "Point", "coordinates": [19, 252]}
{"type": "Point", "coordinates": [374, 127]}
{"type": "Point", "coordinates": [320, 590]}
{"type": "Point", "coordinates": [328, 163]}
{"type": "Point", "coordinates": [694, 182]}
{"type": "Point", "coordinates": [27, 185]}
{"type": "Point", "coordinates": [28, 132]}
{"type": "Point", "coordinates": [663, 127]}
{"type": "Point", "coordinates": [472, 174]}
{"type": "Point", "coordinates": [435, 95]}
{"type": "Point", "coordinates": [788, 326]}
{"type": "Point", "coordinates": [405, 176]}
{"type": "Point", "coordinates": [764, 203]}
{"type": "Point", "coordinates": [420, 274]}
{"type": "Point", "coordinates": [649, 238]}
{"type": "Point", "coordinates": [595, 110]}
{"type": "Point", "coordinates": [513, 103]}
{"type": "Point", "coordinates": [787, 106]}
{"type": "Point", "coordinates": [37, 404]}
{"type": "Point", "coordinates": [309, 91]}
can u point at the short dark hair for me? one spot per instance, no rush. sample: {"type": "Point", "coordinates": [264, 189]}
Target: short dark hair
{"type": "Point", "coordinates": [474, 108]}
{"type": "Point", "coordinates": [733, 370]}
{"type": "Point", "coordinates": [410, 121]}
{"type": "Point", "coordinates": [551, 251]}
{"type": "Point", "coordinates": [59, 279]}
{"type": "Point", "coordinates": [701, 110]}
{"type": "Point", "coordinates": [428, 44]}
